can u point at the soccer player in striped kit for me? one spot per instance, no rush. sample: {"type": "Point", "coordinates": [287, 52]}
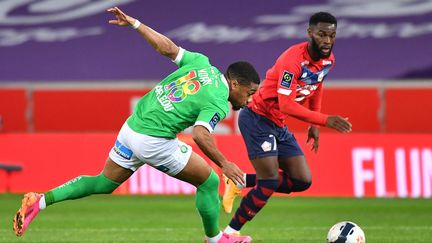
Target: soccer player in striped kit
{"type": "Point", "coordinates": [297, 76]}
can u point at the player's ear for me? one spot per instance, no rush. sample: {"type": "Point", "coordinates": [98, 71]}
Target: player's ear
{"type": "Point", "coordinates": [309, 32]}
{"type": "Point", "coordinates": [234, 84]}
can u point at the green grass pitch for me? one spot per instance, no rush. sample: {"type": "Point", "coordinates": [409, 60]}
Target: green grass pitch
{"type": "Point", "coordinates": [113, 218]}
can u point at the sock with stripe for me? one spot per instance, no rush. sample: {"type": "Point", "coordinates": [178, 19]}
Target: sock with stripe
{"type": "Point", "coordinates": [286, 183]}
{"type": "Point", "coordinates": [252, 203]}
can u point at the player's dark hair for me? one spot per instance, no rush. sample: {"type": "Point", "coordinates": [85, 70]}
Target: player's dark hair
{"type": "Point", "coordinates": [243, 72]}
{"type": "Point", "coordinates": [322, 17]}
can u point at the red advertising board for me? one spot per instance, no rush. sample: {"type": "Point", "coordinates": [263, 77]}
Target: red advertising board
{"type": "Point", "coordinates": [349, 165]}
{"type": "Point", "coordinates": [13, 110]}
{"type": "Point", "coordinates": [104, 110]}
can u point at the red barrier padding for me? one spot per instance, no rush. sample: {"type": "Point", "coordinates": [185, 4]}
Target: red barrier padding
{"type": "Point", "coordinates": [408, 110]}
{"type": "Point", "coordinates": [82, 110]}
{"type": "Point", "coordinates": [349, 165]}
{"type": "Point", "coordinates": [13, 109]}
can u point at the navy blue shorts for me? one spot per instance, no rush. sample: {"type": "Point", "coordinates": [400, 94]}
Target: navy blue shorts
{"type": "Point", "coordinates": [263, 138]}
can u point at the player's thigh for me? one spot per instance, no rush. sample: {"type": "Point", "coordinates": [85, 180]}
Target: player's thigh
{"type": "Point", "coordinates": [196, 171]}
{"type": "Point", "coordinates": [296, 167]}
{"type": "Point", "coordinates": [266, 167]}
{"type": "Point", "coordinates": [259, 135]}
{"type": "Point", "coordinates": [115, 172]}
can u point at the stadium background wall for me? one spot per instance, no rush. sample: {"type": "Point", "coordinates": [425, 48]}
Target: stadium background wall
{"type": "Point", "coordinates": [371, 108]}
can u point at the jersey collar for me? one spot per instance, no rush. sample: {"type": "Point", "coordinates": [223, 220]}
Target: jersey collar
{"type": "Point", "coordinates": [224, 80]}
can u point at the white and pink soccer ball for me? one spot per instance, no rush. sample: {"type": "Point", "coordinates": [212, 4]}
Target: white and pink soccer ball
{"type": "Point", "coordinates": [346, 232]}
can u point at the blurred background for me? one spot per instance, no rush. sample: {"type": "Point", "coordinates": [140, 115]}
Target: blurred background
{"type": "Point", "coordinates": [68, 81]}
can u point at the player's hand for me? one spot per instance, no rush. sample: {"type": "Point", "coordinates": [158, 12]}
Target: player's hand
{"type": "Point", "coordinates": [233, 172]}
{"type": "Point", "coordinates": [121, 18]}
{"type": "Point", "coordinates": [313, 133]}
{"type": "Point", "coordinates": [339, 123]}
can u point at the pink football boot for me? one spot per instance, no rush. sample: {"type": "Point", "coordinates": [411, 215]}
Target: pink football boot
{"type": "Point", "coordinates": [226, 238]}
{"type": "Point", "coordinates": [28, 211]}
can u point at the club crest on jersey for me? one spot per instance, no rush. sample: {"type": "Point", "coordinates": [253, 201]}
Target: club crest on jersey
{"type": "Point", "coordinates": [287, 79]}
{"type": "Point", "coordinates": [215, 120]}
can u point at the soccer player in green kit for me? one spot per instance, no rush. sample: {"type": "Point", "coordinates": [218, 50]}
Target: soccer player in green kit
{"type": "Point", "coordinates": [196, 94]}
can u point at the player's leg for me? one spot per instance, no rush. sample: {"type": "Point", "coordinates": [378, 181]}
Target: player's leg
{"type": "Point", "coordinates": [261, 142]}
{"type": "Point", "coordinates": [106, 182]}
{"type": "Point", "coordinates": [267, 183]}
{"type": "Point", "coordinates": [119, 166]}
{"type": "Point", "coordinates": [177, 159]}
{"type": "Point", "coordinates": [295, 174]}
{"type": "Point", "coordinates": [198, 173]}
{"type": "Point", "coordinates": [78, 187]}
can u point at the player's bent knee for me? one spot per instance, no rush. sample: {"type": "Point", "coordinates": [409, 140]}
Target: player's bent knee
{"type": "Point", "coordinates": [300, 185]}
{"type": "Point", "coordinates": [212, 181]}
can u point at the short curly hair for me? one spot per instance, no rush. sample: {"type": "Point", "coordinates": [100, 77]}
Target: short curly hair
{"type": "Point", "coordinates": [322, 17]}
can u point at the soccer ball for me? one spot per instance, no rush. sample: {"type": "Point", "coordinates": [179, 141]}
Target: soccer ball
{"type": "Point", "coordinates": [346, 232]}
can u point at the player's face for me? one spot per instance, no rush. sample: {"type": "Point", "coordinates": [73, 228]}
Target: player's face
{"type": "Point", "coordinates": [322, 38]}
{"type": "Point", "coordinates": [240, 95]}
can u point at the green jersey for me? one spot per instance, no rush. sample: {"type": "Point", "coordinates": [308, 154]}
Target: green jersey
{"type": "Point", "coordinates": [195, 94]}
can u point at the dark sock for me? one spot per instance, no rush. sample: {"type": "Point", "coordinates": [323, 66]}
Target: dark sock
{"type": "Point", "coordinates": [250, 180]}
{"type": "Point", "coordinates": [286, 183]}
{"type": "Point", "coordinates": [252, 203]}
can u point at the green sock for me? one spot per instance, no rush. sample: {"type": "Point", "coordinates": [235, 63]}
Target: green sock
{"type": "Point", "coordinates": [79, 187]}
{"type": "Point", "coordinates": [208, 204]}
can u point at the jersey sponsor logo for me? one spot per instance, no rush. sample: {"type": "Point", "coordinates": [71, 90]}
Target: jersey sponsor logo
{"type": "Point", "coordinates": [177, 91]}
{"type": "Point", "coordinates": [215, 120]}
{"type": "Point", "coordinates": [181, 88]}
{"type": "Point", "coordinates": [287, 79]}
{"type": "Point", "coordinates": [122, 150]}
{"type": "Point", "coordinates": [304, 91]}
{"type": "Point", "coordinates": [163, 99]}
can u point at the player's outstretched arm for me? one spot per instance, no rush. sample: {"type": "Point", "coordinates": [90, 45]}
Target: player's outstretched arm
{"type": "Point", "coordinates": [205, 142]}
{"type": "Point", "coordinates": [159, 42]}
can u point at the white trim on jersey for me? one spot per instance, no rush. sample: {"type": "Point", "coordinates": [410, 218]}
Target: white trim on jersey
{"type": "Point", "coordinates": [284, 91]}
{"type": "Point", "coordinates": [179, 56]}
{"type": "Point", "coordinates": [224, 80]}
{"type": "Point", "coordinates": [204, 124]}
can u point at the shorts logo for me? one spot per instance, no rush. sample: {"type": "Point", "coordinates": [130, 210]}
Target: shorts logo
{"type": "Point", "coordinates": [266, 146]}
{"type": "Point", "coordinates": [215, 120]}
{"type": "Point", "coordinates": [122, 150]}
{"type": "Point", "coordinates": [287, 79]}
{"type": "Point", "coordinates": [183, 148]}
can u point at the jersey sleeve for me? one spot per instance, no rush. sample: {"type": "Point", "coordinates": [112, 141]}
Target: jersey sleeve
{"type": "Point", "coordinates": [185, 57]}
{"type": "Point", "coordinates": [288, 71]}
{"type": "Point", "coordinates": [315, 100]}
{"type": "Point", "coordinates": [210, 116]}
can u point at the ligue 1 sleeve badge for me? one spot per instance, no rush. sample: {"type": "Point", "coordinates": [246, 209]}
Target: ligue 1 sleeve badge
{"type": "Point", "coordinates": [287, 78]}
